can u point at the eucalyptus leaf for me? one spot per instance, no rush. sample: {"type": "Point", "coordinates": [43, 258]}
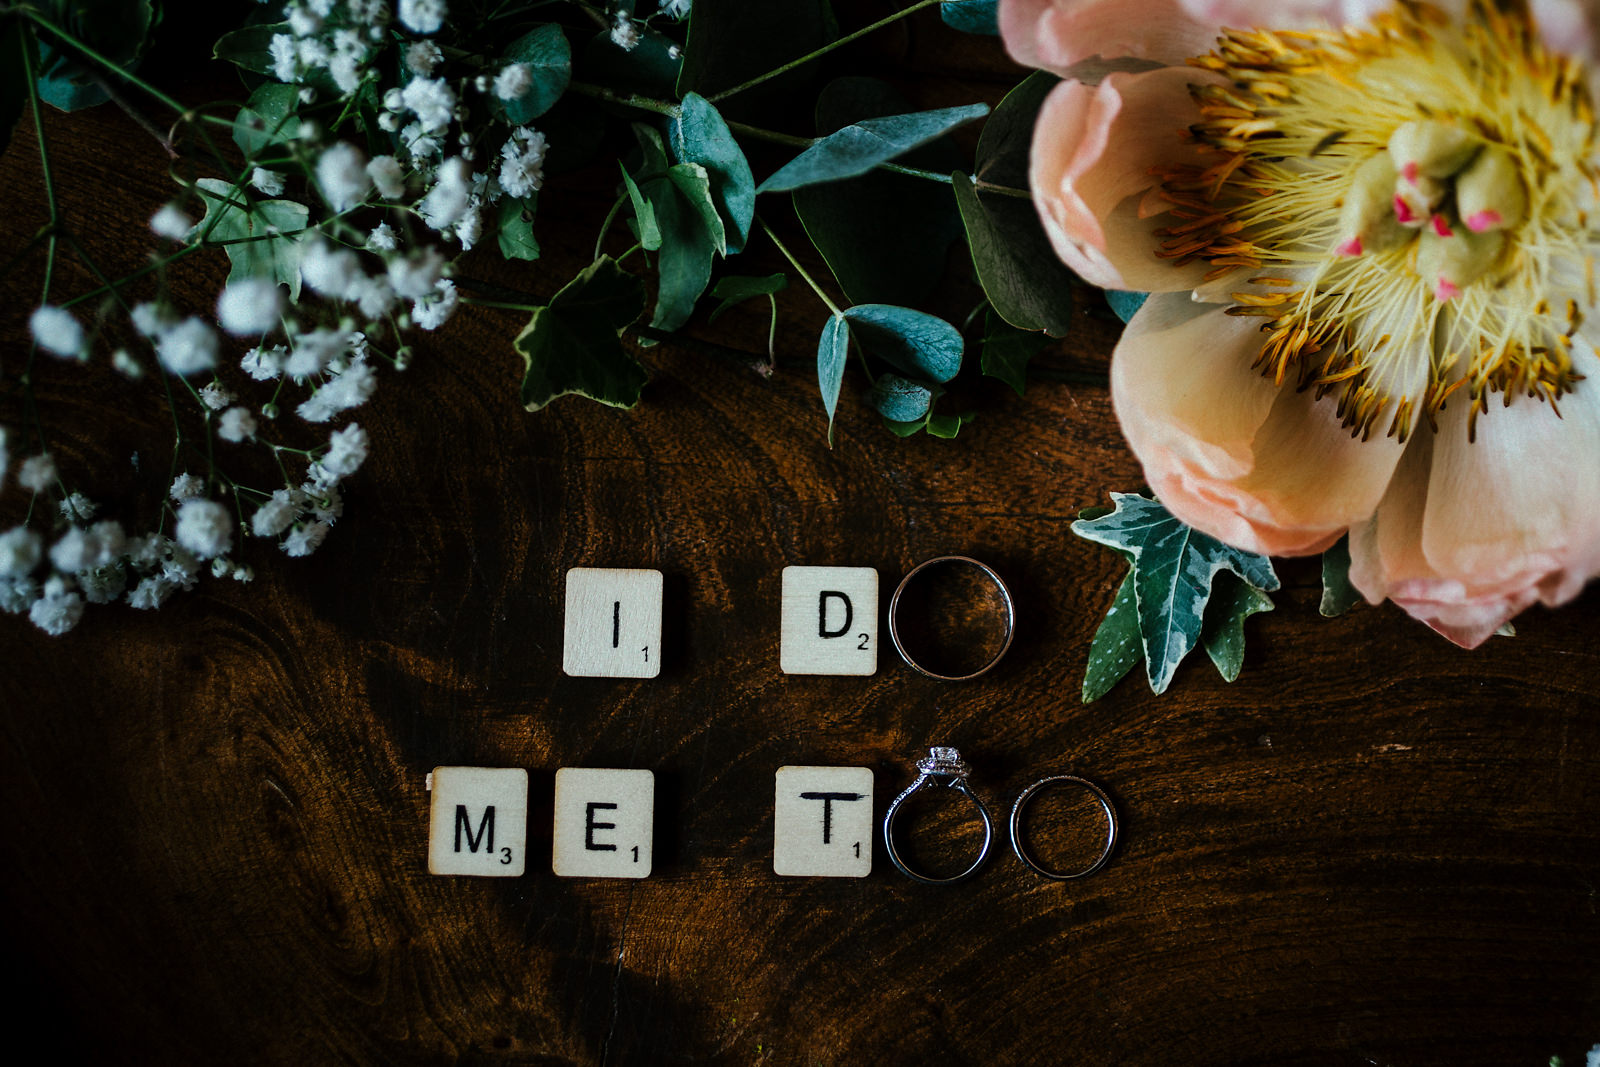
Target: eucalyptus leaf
{"type": "Point", "coordinates": [699, 134]}
{"type": "Point", "coordinates": [886, 237]}
{"type": "Point", "coordinates": [691, 234]}
{"type": "Point", "coordinates": [694, 182]}
{"type": "Point", "coordinates": [268, 118]}
{"type": "Point", "coordinates": [833, 348]}
{"type": "Point", "coordinates": [1020, 273]}
{"type": "Point", "coordinates": [545, 51]}
{"type": "Point", "coordinates": [948, 426]}
{"type": "Point", "coordinates": [250, 47]}
{"type": "Point", "coordinates": [972, 16]}
{"type": "Point", "coordinates": [1338, 595]}
{"type": "Point", "coordinates": [1125, 303]}
{"type": "Point", "coordinates": [1116, 646]}
{"type": "Point", "coordinates": [861, 146]}
{"type": "Point", "coordinates": [515, 227]}
{"type": "Point", "coordinates": [900, 399]}
{"type": "Point", "coordinates": [1007, 137]}
{"type": "Point", "coordinates": [913, 342]}
{"type": "Point", "coordinates": [733, 41]}
{"type": "Point", "coordinates": [1222, 632]}
{"type": "Point", "coordinates": [1008, 350]}
{"type": "Point", "coordinates": [1174, 568]}
{"type": "Point", "coordinates": [263, 239]}
{"type": "Point", "coordinates": [650, 68]}
{"type": "Point", "coordinates": [571, 345]}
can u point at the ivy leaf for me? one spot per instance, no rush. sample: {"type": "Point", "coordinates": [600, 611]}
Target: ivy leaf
{"type": "Point", "coordinates": [691, 234]}
{"type": "Point", "coordinates": [972, 16]}
{"type": "Point", "coordinates": [1125, 303]}
{"type": "Point", "coordinates": [268, 118]}
{"type": "Point", "coordinates": [1116, 646]}
{"type": "Point", "coordinates": [250, 47]}
{"type": "Point", "coordinates": [515, 230]}
{"type": "Point", "coordinates": [263, 238]}
{"type": "Point", "coordinates": [833, 348]}
{"type": "Point", "coordinates": [1232, 602]}
{"type": "Point", "coordinates": [862, 145]}
{"type": "Point", "coordinates": [699, 135]}
{"type": "Point", "coordinates": [1173, 572]}
{"type": "Point", "coordinates": [549, 58]}
{"type": "Point", "coordinates": [1008, 350]}
{"type": "Point", "coordinates": [913, 342]}
{"type": "Point", "coordinates": [1338, 595]}
{"type": "Point", "coordinates": [900, 399]}
{"type": "Point", "coordinates": [571, 345]}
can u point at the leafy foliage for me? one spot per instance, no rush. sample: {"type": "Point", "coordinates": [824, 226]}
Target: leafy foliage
{"type": "Point", "coordinates": [263, 238]}
{"type": "Point", "coordinates": [861, 146]}
{"type": "Point", "coordinates": [119, 30]}
{"type": "Point", "coordinates": [1338, 595]}
{"type": "Point", "coordinates": [545, 51]}
{"type": "Point", "coordinates": [1179, 594]}
{"type": "Point", "coordinates": [572, 344]}
{"type": "Point", "coordinates": [700, 135]}
{"type": "Point", "coordinates": [972, 16]}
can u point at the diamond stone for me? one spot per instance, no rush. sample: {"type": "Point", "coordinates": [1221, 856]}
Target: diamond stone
{"type": "Point", "coordinates": [944, 762]}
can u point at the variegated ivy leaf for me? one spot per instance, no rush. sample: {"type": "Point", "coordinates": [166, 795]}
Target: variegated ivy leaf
{"type": "Point", "coordinates": [1172, 576]}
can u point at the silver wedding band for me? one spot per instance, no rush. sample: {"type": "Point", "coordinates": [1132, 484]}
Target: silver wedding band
{"type": "Point", "coordinates": [1105, 805]}
{"type": "Point", "coordinates": [894, 617]}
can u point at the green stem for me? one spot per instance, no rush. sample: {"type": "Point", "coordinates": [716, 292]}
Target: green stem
{"type": "Point", "coordinates": [643, 103]}
{"type": "Point", "coordinates": [111, 65]}
{"type": "Point", "coordinates": [605, 227]}
{"type": "Point", "coordinates": [824, 50]}
{"type": "Point", "coordinates": [475, 302]}
{"type": "Point", "coordinates": [815, 288]}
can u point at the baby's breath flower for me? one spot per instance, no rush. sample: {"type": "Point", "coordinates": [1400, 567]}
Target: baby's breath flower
{"type": "Point", "coordinates": [470, 228]}
{"type": "Point", "coordinates": [57, 610]}
{"type": "Point", "coordinates": [513, 81]}
{"type": "Point", "coordinates": [347, 450]}
{"type": "Point", "coordinates": [382, 238]}
{"type": "Point", "coordinates": [304, 538]}
{"type": "Point", "coordinates": [313, 352]}
{"type": "Point", "coordinates": [522, 162]}
{"type": "Point", "coordinates": [274, 516]}
{"type": "Point", "coordinates": [351, 389]}
{"type": "Point", "coordinates": [250, 306]}
{"type": "Point", "coordinates": [188, 348]}
{"type": "Point", "coordinates": [264, 364]}
{"type": "Point", "coordinates": [37, 473]}
{"type": "Point", "coordinates": [624, 34]}
{"type": "Point", "coordinates": [434, 310]}
{"type": "Point", "coordinates": [172, 223]}
{"type": "Point", "coordinates": [285, 57]}
{"type": "Point", "coordinates": [126, 365]}
{"type": "Point", "coordinates": [102, 585]}
{"type": "Point", "coordinates": [677, 9]}
{"type": "Point", "coordinates": [302, 20]}
{"type": "Point", "coordinates": [431, 100]}
{"type": "Point", "coordinates": [328, 269]}
{"type": "Point", "coordinates": [17, 594]}
{"type": "Point", "coordinates": [236, 425]}
{"type": "Point", "coordinates": [152, 318]}
{"type": "Point", "coordinates": [422, 16]}
{"type": "Point", "coordinates": [204, 527]}
{"type": "Point", "coordinates": [416, 275]}
{"type": "Point", "coordinates": [450, 196]}
{"type": "Point", "coordinates": [111, 541]}
{"type": "Point", "coordinates": [389, 176]}
{"type": "Point", "coordinates": [20, 552]}
{"type": "Point", "coordinates": [187, 486]}
{"type": "Point", "coordinates": [57, 331]}
{"type": "Point", "coordinates": [78, 508]}
{"type": "Point", "coordinates": [151, 592]}
{"type": "Point", "coordinates": [215, 396]}
{"type": "Point", "coordinates": [74, 551]}
{"type": "Point", "coordinates": [342, 175]}
{"type": "Point", "coordinates": [421, 58]}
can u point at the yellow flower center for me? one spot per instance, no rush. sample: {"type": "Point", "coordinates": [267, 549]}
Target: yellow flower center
{"type": "Point", "coordinates": [1407, 206]}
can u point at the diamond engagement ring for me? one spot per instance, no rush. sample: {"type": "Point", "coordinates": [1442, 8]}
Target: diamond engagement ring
{"type": "Point", "coordinates": [943, 767]}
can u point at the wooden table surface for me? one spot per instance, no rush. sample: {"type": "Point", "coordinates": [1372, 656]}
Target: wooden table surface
{"type": "Point", "coordinates": [1373, 848]}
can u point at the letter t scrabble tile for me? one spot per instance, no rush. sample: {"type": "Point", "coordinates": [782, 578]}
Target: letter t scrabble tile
{"type": "Point", "coordinates": [822, 822]}
{"type": "Point", "coordinates": [829, 621]}
{"type": "Point", "coordinates": [613, 623]}
{"type": "Point", "coordinates": [478, 821]}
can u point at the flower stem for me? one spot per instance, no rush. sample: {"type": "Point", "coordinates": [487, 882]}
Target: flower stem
{"type": "Point", "coordinates": [815, 288]}
{"type": "Point", "coordinates": [824, 50]}
{"type": "Point", "coordinates": [610, 96]}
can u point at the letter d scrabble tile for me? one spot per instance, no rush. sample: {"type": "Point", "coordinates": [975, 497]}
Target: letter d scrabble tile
{"type": "Point", "coordinates": [604, 824]}
{"type": "Point", "coordinates": [829, 621]}
{"type": "Point", "coordinates": [478, 821]}
{"type": "Point", "coordinates": [822, 822]}
{"type": "Point", "coordinates": [613, 624]}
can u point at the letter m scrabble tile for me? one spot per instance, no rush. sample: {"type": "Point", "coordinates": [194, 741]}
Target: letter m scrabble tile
{"type": "Point", "coordinates": [613, 623]}
{"type": "Point", "coordinates": [478, 821]}
{"type": "Point", "coordinates": [829, 621]}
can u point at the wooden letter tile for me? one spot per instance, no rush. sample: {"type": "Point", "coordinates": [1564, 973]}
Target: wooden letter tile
{"type": "Point", "coordinates": [830, 621]}
{"type": "Point", "coordinates": [478, 821]}
{"type": "Point", "coordinates": [604, 823]}
{"type": "Point", "coordinates": [822, 822]}
{"type": "Point", "coordinates": [613, 624]}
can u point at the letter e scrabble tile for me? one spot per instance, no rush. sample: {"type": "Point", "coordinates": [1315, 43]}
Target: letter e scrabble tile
{"type": "Point", "coordinates": [613, 624]}
{"type": "Point", "coordinates": [822, 822]}
{"type": "Point", "coordinates": [604, 823]}
{"type": "Point", "coordinates": [829, 621]}
{"type": "Point", "coordinates": [478, 821]}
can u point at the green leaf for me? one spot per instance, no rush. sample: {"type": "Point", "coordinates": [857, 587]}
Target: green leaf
{"type": "Point", "coordinates": [1125, 303]}
{"type": "Point", "coordinates": [1338, 595]}
{"type": "Point", "coordinates": [691, 234]}
{"type": "Point", "coordinates": [650, 69]}
{"type": "Point", "coordinates": [16, 38]}
{"type": "Point", "coordinates": [1007, 137]}
{"type": "Point", "coordinates": [1232, 602]}
{"type": "Point", "coordinates": [1022, 277]}
{"type": "Point", "coordinates": [699, 135]}
{"type": "Point", "coordinates": [250, 47]}
{"type": "Point", "coordinates": [861, 146]}
{"type": "Point", "coordinates": [116, 29]}
{"type": "Point", "coordinates": [899, 399]}
{"type": "Point", "coordinates": [263, 238]}
{"type": "Point", "coordinates": [515, 231]}
{"type": "Point", "coordinates": [643, 212]}
{"type": "Point", "coordinates": [571, 345]}
{"type": "Point", "coordinates": [972, 16]}
{"type": "Point", "coordinates": [732, 41]}
{"type": "Point", "coordinates": [1008, 350]}
{"type": "Point", "coordinates": [947, 426]}
{"type": "Point", "coordinates": [833, 348]}
{"type": "Point", "coordinates": [267, 119]}
{"type": "Point", "coordinates": [913, 342]}
{"type": "Point", "coordinates": [1173, 571]}
{"type": "Point", "coordinates": [737, 288]}
{"type": "Point", "coordinates": [548, 56]}
{"type": "Point", "coordinates": [1116, 646]}
{"type": "Point", "coordinates": [885, 236]}
{"type": "Point", "coordinates": [653, 151]}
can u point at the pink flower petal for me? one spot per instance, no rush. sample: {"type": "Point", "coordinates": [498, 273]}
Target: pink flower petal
{"type": "Point", "coordinates": [1056, 34]}
{"type": "Point", "coordinates": [1094, 150]}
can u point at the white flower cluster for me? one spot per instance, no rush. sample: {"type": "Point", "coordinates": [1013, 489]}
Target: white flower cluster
{"type": "Point", "coordinates": [314, 45]}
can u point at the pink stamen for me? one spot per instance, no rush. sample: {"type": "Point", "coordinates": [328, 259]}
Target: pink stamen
{"type": "Point", "coordinates": [1402, 210]}
{"type": "Point", "coordinates": [1487, 219]}
{"type": "Point", "coordinates": [1410, 172]}
{"type": "Point", "coordinates": [1445, 290]}
{"type": "Point", "coordinates": [1351, 247]}
{"type": "Point", "coordinates": [1441, 227]}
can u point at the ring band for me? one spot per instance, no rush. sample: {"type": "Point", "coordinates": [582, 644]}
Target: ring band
{"type": "Point", "coordinates": [1105, 804]}
{"type": "Point", "coordinates": [894, 617]}
{"type": "Point", "coordinates": [942, 767]}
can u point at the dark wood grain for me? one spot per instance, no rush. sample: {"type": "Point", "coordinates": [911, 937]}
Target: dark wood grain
{"type": "Point", "coordinates": [1372, 848]}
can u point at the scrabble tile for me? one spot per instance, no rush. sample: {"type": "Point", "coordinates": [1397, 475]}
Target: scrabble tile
{"type": "Point", "coordinates": [613, 624]}
{"type": "Point", "coordinates": [822, 822]}
{"type": "Point", "coordinates": [829, 621]}
{"type": "Point", "coordinates": [478, 821]}
{"type": "Point", "coordinates": [604, 823]}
